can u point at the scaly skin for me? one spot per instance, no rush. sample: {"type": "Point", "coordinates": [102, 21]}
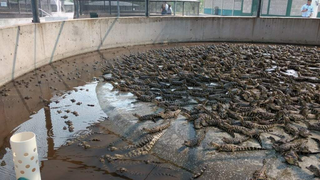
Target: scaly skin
{"type": "Point", "coordinates": [170, 114]}
{"type": "Point", "coordinates": [286, 147]}
{"type": "Point", "coordinates": [235, 141]}
{"type": "Point", "coordinates": [201, 171]}
{"type": "Point", "coordinates": [314, 170]}
{"type": "Point", "coordinates": [258, 126]}
{"type": "Point", "coordinates": [303, 132]}
{"type": "Point", "coordinates": [196, 141]}
{"type": "Point", "coordinates": [157, 128]}
{"type": "Point", "coordinates": [261, 173]}
{"type": "Point", "coordinates": [315, 127]}
{"type": "Point", "coordinates": [292, 158]}
{"type": "Point", "coordinates": [142, 142]}
{"type": "Point", "coordinates": [142, 150]}
{"type": "Point", "coordinates": [152, 117]}
{"type": "Point", "coordinates": [234, 148]}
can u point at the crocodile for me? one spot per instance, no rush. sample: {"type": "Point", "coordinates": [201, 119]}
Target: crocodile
{"type": "Point", "coordinates": [152, 117]}
{"type": "Point", "coordinates": [292, 158]}
{"type": "Point", "coordinates": [252, 125]}
{"type": "Point", "coordinates": [287, 146]}
{"type": "Point", "coordinates": [314, 170]}
{"type": "Point", "coordinates": [261, 173]}
{"type": "Point", "coordinates": [282, 140]}
{"type": "Point", "coordinates": [315, 127]}
{"type": "Point", "coordinates": [227, 128]}
{"type": "Point", "coordinates": [142, 150]}
{"type": "Point", "coordinates": [200, 172]}
{"type": "Point", "coordinates": [236, 141]}
{"type": "Point", "coordinates": [169, 114]}
{"type": "Point", "coordinates": [303, 132]}
{"type": "Point", "coordinates": [234, 148]}
{"type": "Point", "coordinates": [237, 108]}
{"type": "Point", "coordinates": [196, 141]}
{"type": "Point", "coordinates": [290, 129]}
{"type": "Point", "coordinates": [157, 128]}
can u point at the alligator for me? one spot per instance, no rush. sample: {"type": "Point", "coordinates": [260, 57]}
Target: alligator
{"type": "Point", "coordinates": [200, 172]}
{"type": "Point", "coordinates": [292, 158]}
{"type": "Point", "coordinates": [303, 132]}
{"type": "Point", "coordinates": [314, 170]}
{"type": "Point", "coordinates": [261, 173]}
{"type": "Point", "coordinates": [142, 150]}
{"type": "Point", "coordinates": [196, 141]}
{"type": "Point", "coordinates": [148, 117]}
{"type": "Point", "coordinates": [234, 148]}
{"type": "Point", "coordinates": [157, 128]}
{"type": "Point", "coordinates": [287, 146]}
{"type": "Point", "coordinates": [315, 127]}
{"type": "Point", "coordinates": [236, 141]}
{"type": "Point", "coordinates": [251, 125]}
{"type": "Point", "coordinates": [169, 114]}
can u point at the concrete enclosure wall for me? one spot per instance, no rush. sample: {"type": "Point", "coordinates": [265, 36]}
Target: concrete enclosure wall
{"type": "Point", "coordinates": [24, 48]}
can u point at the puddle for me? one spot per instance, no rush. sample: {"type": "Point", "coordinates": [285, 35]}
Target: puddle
{"type": "Point", "coordinates": [48, 123]}
{"type": "Point", "coordinates": [55, 82]}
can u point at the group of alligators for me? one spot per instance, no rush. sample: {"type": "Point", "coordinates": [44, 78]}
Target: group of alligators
{"type": "Point", "coordinates": [240, 89]}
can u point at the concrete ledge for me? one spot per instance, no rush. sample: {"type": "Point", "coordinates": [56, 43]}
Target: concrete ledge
{"type": "Point", "coordinates": [26, 47]}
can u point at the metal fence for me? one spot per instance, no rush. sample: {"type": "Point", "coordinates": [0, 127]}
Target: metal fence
{"type": "Point", "coordinates": [280, 8]}
{"type": "Point", "coordinates": [103, 8]}
{"type": "Point", "coordinates": [23, 8]}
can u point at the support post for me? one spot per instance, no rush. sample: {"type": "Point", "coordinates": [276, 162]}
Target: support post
{"type": "Point", "coordinates": [8, 2]}
{"type": "Point", "coordinates": [118, 7]}
{"type": "Point", "coordinates": [198, 9]}
{"type": "Point", "coordinates": [221, 7]}
{"type": "Point", "coordinates": [289, 5]}
{"type": "Point", "coordinates": [175, 8]}
{"type": "Point", "coordinates": [259, 9]}
{"type": "Point", "coordinates": [19, 7]}
{"type": "Point", "coordinates": [40, 6]}
{"type": "Point", "coordinates": [76, 9]}
{"type": "Point", "coordinates": [147, 8]}
{"type": "Point", "coordinates": [212, 12]}
{"type": "Point", "coordinates": [80, 7]}
{"type": "Point", "coordinates": [183, 8]}
{"type": "Point", "coordinates": [233, 8]}
{"type": "Point", "coordinates": [49, 6]}
{"type": "Point", "coordinates": [110, 8]}
{"type": "Point", "coordinates": [35, 11]}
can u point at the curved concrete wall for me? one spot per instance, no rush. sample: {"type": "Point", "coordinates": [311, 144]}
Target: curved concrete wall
{"type": "Point", "coordinates": [24, 48]}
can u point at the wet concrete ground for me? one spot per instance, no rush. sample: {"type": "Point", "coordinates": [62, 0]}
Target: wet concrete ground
{"type": "Point", "coordinates": [34, 101]}
{"type": "Point", "coordinates": [105, 118]}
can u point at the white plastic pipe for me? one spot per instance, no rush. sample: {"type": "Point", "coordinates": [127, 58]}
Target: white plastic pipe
{"type": "Point", "coordinates": [25, 156]}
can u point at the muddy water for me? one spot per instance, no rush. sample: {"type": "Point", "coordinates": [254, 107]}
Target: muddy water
{"type": "Point", "coordinates": [40, 101]}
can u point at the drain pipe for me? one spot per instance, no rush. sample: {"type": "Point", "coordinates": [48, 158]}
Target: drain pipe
{"type": "Point", "coordinates": [118, 7]}
{"type": "Point", "coordinates": [25, 156]}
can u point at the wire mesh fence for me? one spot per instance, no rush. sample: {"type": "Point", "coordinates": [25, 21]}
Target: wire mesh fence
{"type": "Point", "coordinates": [96, 8]}
{"type": "Point", "coordinates": [279, 8]}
